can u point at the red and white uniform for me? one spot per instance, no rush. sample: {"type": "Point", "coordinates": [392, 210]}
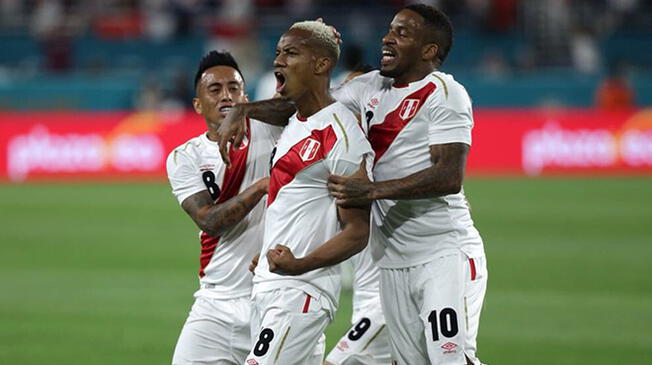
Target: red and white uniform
{"type": "Point", "coordinates": [196, 166]}
{"type": "Point", "coordinates": [302, 215]}
{"type": "Point", "coordinates": [402, 122]}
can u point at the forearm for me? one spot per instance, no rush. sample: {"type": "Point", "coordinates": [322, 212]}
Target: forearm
{"type": "Point", "coordinates": [428, 183]}
{"type": "Point", "coordinates": [351, 240]}
{"type": "Point", "coordinates": [275, 111]}
{"type": "Point", "coordinates": [218, 218]}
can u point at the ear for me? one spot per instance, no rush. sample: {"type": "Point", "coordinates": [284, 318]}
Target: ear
{"type": "Point", "coordinates": [197, 105]}
{"type": "Point", "coordinates": [246, 98]}
{"type": "Point", "coordinates": [322, 65]}
{"type": "Point", "coordinates": [429, 52]}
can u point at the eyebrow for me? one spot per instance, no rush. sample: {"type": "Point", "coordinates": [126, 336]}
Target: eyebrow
{"type": "Point", "coordinates": [216, 83]}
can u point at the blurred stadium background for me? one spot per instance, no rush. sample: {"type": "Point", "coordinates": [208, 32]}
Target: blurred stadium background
{"type": "Point", "coordinates": [97, 261]}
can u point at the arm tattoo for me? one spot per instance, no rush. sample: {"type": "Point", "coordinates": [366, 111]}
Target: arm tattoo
{"type": "Point", "coordinates": [215, 219]}
{"type": "Point", "coordinates": [444, 177]}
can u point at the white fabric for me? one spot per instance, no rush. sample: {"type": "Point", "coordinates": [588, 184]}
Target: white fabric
{"type": "Point", "coordinates": [302, 214]}
{"type": "Point", "coordinates": [217, 332]}
{"type": "Point", "coordinates": [439, 291]}
{"type": "Point", "coordinates": [226, 275]}
{"type": "Point", "coordinates": [373, 346]}
{"type": "Point", "coordinates": [287, 327]}
{"type": "Point", "coordinates": [365, 343]}
{"type": "Point", "coordinates": [411, 232]}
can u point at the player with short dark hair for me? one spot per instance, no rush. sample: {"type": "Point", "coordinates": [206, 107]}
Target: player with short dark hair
{"type": "Point", "coordinates": [295, 297]}
{"type": "Point", "coordinates": [432, 264]}
{"type": "Point", "coordinates": [228, 206]}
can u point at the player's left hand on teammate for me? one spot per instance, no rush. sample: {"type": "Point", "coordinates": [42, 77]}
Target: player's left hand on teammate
{"type": "Point", "coordinates": [254, 263]}
{"type": "Point", "coordinates": [282, 261]}
{"type": "Point", "coordinates": [337, 34]}
{"type": "Point", "coordinates": [350, 191]}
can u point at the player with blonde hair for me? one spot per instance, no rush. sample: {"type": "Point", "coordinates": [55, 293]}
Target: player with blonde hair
{"type": "Point", "coordinates": [295, 297]}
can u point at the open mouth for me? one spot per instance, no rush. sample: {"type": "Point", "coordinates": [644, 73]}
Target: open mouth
{"type": "Point", "coordinates": [388, 55]}
{"type": "Point", "coordinates": [225, 108]}
{"type": "Point", "coordinates": [280, 81]}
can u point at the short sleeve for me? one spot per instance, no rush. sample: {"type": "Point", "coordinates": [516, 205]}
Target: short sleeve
{"type": "Point", "coordinates": [450, 120]}
{"type": "Point", "coordinates": [183, 175]}
{"type": "Point", "coordinates": [351, 148]}
{"type": "Point", "coordinates": [352, 93]}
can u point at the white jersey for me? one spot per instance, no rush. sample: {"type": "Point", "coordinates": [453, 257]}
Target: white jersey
{"type": "Point", "coordinates": [301, 214]}
{"type": "Point", "coordinates": [196, 166]}
{"type": "Point", "coordinates": [401, 123]}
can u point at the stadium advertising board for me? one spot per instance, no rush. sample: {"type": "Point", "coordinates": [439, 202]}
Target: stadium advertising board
{"type": "Point", "coordinates": [121, 145]}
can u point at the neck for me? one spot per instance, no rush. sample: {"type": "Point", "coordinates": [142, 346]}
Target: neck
{"type": "Point", "coordinates": [415, 74]}
{"type": "Point", "coordinates": [314, 100]}
{"type": "Point", "coordinates": [211, 133]}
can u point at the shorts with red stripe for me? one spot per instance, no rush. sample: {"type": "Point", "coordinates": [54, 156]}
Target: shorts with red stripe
{"type": "Point", "coordinates": [287, 328]}
{"type": "Point", "coordinates": [433, 310]}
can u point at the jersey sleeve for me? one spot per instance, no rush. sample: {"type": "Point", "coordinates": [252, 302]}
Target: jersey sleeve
{"type": "Point", "coordinates": [451, 118]}
{"type": "Point", "coordinates": [183, 175]}
{"type": "Point", "coordinates": [351, 148]}
{"type": "Point", "coordinates": [352, 93]}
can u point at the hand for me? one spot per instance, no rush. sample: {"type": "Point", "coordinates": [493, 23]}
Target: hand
{"type": "Point", "coordinates": [337, 34]}
{"type": "Point", "coordinates": [263, 185]}
{"type": "Point", "coordinates": [282, 261]}
{"type": "Point", "coordinates": [231, 130]}
{"type": "Point", "coordinates": [254, 263]}
{"type": "Point", "coordinates": [350, 191]}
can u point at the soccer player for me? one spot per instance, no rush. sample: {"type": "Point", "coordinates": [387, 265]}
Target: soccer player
{"type": "Point", "coordinates": [295, 297]}
{"type": "Point", "coordinates": [365, 343]}
{"type": "Point", "coordinates": [419, 121]}
{"type": "Point", "coordinates": [228, 206]}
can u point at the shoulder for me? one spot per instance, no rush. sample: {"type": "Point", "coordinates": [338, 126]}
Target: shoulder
{"type": "Point", "coordinates": [449, 93]}
{"type": "Point", "coordinates": [185, 152]}
{"type": "Point", "coordinates": [372, 80]}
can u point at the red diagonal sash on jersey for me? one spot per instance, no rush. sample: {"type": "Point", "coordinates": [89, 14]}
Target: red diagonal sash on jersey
{"type": "Point", "coordinates": [233, 177]}
{"type": "Point", "coordinates": [304, 153]}
{"type": "Point", "coordinates": [382, 135]}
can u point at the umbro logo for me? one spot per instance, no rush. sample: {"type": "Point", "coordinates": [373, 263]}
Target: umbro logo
{"type": "Point", "coordinates": [252, 362]}
{"type": "Point", "coordinates": [309, 149]}
{"type": "Point", "coordinates": [449, 347]}
{"type": "Point", "coordinates": [373, 103]}
{"type": "Point", "coordinates": [343, 345]}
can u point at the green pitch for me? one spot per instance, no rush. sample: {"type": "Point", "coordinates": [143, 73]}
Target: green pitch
{"type": "Point", "coordinates": [104, 274]}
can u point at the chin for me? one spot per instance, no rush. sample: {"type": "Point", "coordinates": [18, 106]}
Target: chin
{"type": "Point", "coordinates": [389, 72]}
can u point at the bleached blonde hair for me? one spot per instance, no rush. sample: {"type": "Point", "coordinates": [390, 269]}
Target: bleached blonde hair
{"type": "Point", "coordinates": [322, 37]}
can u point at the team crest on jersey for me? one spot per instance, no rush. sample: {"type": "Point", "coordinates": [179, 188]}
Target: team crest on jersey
{"type": "Point", "coordinates": [309, 149]}
{"type": "Point", "coordinates": [409, 108]}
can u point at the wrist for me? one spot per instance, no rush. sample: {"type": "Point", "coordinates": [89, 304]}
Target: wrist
{"type": "Point", "coordinates": [373, 192]}
{"type": "Point", "coordinates": [303, 266]}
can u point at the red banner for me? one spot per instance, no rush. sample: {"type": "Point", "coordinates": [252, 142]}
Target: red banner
{"type": "Point", "coordinates": [117, 145]}
{"type": "Point", "coordinates": [553, 142]}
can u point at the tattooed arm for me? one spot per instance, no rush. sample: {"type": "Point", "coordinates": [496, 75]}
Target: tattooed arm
{"type": "Point", "coordinates": [215, 219]}
{"type": "Point", "coordinates": [443, 177]}
{"type": "Point", "coordinates": [275, 111]}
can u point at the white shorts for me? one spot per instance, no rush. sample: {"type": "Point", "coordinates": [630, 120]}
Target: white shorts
{"type": "Point", "coordinates": [217, 332]}
{"type": "Point", "coordinates": [433, 310]}
{"type": "Point", "coordinates": [287, 328]}
{"type": "Point", "coordinates": [366, 341]}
